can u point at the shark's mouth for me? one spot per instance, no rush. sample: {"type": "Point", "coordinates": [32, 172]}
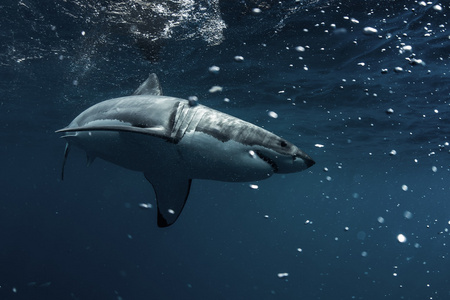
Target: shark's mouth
{"type": "Point", "coordinates": [268, 160]}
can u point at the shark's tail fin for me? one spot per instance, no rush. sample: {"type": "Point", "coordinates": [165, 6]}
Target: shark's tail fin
{"type": "Point", "coordinates": [66, 153]}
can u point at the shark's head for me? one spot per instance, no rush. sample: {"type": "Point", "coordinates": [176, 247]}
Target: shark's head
{"type": "Point", "coordinates": [283, 156]}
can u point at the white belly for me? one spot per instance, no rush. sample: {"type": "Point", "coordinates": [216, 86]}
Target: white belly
{"type": "Point", "coordinates": [197, 154]}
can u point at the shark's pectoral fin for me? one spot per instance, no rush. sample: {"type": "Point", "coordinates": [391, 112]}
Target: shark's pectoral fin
{"type": "Point", "coordinates": [171, 191]}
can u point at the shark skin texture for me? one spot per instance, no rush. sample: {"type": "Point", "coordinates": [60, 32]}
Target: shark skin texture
{"type": "Point", "coordinates": [173, 141]}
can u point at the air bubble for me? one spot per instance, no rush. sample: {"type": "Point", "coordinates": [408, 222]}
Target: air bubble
{"type": "Point", "coordinates": [256, 10]}
{"type": "Point", "coordinates": [370, 30]}
{"type": "Point", "coordinates": [283, 275]}
{"type": "Point", "coordinates": [214, 69]}
{"type": "Point", "coordinates": [407, 214]}
{"type": "Point", "coordinates": [215, 89]}
{"type": "Point", "coordinates": [273, 114]}
{"type": "Point", "coordinates": [389, 111]}
{"type": "Point", "coordinates": [401, 238]}
{"type": "Point", "coordinates": [253, 186]}
{"type": "Point", "coordinates": [145, 205]}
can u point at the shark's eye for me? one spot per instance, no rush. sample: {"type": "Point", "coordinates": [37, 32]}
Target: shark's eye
{"type": "Point", "coordinates": [283, 144]}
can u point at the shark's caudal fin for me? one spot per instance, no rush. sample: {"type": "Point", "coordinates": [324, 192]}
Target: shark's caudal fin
{"type": "Point", "coordinates": [171, 191]}
{"type": "Point", "coordinates": [150, 87]}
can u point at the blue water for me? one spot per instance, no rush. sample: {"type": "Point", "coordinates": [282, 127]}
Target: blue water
{"type": "Point", "coordinates": [333, 229]}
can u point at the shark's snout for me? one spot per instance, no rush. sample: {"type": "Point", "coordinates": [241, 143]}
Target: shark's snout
{"type": "Point", "coordinates": [307, 160]}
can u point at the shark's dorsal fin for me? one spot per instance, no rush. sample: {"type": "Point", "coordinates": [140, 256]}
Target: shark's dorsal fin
{"type": "Point", "coordinates": [172, 190]}
{"type": "Point", "coordinates": [150, 87]}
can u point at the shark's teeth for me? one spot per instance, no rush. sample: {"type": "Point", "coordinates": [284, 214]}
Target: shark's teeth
{"type": "Point", "coordinates": [267, 160]}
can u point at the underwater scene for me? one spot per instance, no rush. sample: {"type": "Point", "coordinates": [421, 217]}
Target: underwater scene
{"type": "Point", "coordinates": [248, 149]}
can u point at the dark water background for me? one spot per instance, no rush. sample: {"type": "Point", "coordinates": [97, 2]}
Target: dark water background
{"type": "Point", "coordinates": [87, 238]}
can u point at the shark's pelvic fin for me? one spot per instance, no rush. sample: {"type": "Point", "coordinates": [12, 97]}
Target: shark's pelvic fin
{"type": "Point", "coordinates": [66, 153]}
{"type": "Point", "coordinates": [89, 159]}
{"type": "Point", "coordinates": [150, 87]}
{"type": "Point", "coordinates": [172, 190]}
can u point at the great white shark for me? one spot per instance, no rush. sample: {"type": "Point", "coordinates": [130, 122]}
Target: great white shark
{"type": "Point", "coordinates": [173, 141]}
